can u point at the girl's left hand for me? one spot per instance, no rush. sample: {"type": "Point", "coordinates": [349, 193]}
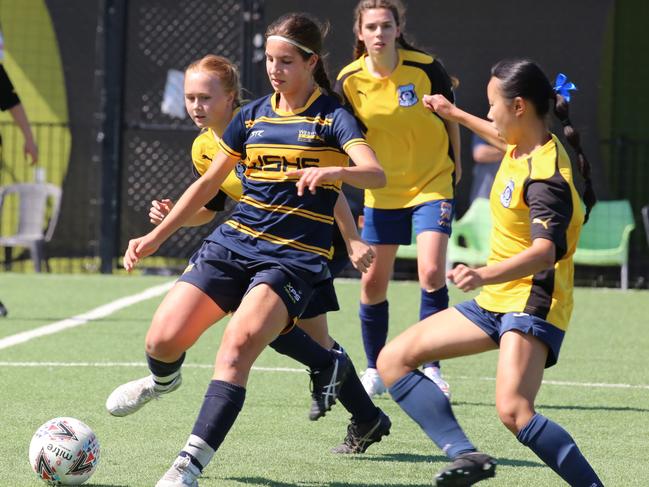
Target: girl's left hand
{"type": "Point", "coordinates": [311, 177]}
{"type": "Point", "coordinates": [361, 255]}
{"type": "Point", "coordinates": [465, 278]}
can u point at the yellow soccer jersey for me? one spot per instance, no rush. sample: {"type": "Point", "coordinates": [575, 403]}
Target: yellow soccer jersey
{"type": "Point", "coordinates": [534, 197]}
{"type": "Point", "coordinates": [204, 148]}
{"type": "Point", "coordinates": [410, 142]}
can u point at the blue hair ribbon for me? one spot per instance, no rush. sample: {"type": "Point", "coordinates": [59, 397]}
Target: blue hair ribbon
{"type": "Point", "coordinates": [563, 86]}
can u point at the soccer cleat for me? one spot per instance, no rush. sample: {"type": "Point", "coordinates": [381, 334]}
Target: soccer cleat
{"type": "Point", "coordinates": [183, 473]}
{"type": "Point", "coordinates": [372, 383]}
{"type": "Point", "coordinates": [325, 385]}
{"type": "Point", "coordinates": [434, 374]}
{"type": "Point", "coordinates": [361, 435]}
{"type": "Point", "coordinates": [466, 470]}
{"type": "Point", "coordinates": [130, 397]}
{"type": "Point", "coordinates": [3, 311]}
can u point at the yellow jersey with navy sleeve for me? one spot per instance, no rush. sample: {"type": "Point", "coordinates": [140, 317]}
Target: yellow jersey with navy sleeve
{"type": "Point", "coordinates": [535, 197]}
{"type": "Point", "coordinates": [271, 219]}
{"type": "Point", "coordinates": [410, 141]}
{"type": "Point", "coordinates": [204, 149]}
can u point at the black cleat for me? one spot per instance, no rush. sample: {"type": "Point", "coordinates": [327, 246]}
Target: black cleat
{"type": "Point", "coordinates": [3, 311]}
{"type": "Point", "coordinates": [466, 470]}
{"type": "Point", "coordinates": [326, 385]}
{"type": "Point", "coordinates": [361, 435]}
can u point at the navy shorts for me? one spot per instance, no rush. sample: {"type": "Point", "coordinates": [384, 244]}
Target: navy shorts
{"type": "Point", "coordinates": [226, 277]}
{"type": "Point", "coordinates": [324, 299]}
{"type": "Point", "coordinates": [495, 324]}
{"type": "Point", "coordinates": [394, 227]}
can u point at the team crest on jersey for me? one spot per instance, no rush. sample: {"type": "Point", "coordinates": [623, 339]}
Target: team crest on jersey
{"type": "Point", "coordinates": [240, 170]}
{"type": "Point", "coordinates": [407, 95]}
{"type": "Point", "coordinates": [506, 195]}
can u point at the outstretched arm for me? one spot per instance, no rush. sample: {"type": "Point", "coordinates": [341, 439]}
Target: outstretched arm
{"type": "Point", "coordinates": [195, 197]}
{"type": "Point", "coordinates": [365, 173]}
{"type": "Point", "coordinates": [538, 257]}
{"type": "Point", "coordinates": [448, 111]}
{"type": "Point", "coordinates": [161, 208]}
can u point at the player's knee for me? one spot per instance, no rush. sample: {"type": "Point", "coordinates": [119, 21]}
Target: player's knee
{"type": "Point", "coordinates": [374, 290]}
{"type": "Point", "coordinates": [432, 277]}
{"type": "Point", "coordinates": [161, 342]}
{"type": "Point", "coordinates": [232, 352]}
{"type": "Point", "coordinates": [390, 364]}
{"type": "Point", "coordinates": [513, 413]}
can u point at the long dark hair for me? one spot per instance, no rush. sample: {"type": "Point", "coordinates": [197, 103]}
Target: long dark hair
{"type": "Point", "coordinates": [398, 12]}
{"type": "Point", "coordinates": [524, 78]}
{"type": "Point", "coordinates": [307, 31]}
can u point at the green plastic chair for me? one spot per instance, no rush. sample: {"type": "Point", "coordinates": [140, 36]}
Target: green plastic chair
{"type": "Point", "coordinates": [604, 240]}
{"type": "Point", "coordinates": [469, 242]}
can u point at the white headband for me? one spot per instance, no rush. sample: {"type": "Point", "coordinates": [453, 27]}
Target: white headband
{"type": "Point", "coordinates": [291, 41]}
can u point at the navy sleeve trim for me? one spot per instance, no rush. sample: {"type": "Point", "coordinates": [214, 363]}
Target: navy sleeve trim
{"type": "Point", "coordinates": [550, 203]}
{"type": "Point", "coordinates": [218, 202]}
{"type": "Point", "coordinates": [8, 96]}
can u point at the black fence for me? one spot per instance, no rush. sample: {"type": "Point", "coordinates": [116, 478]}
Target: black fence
{"type": "Point", "coordinates": [119, 149]}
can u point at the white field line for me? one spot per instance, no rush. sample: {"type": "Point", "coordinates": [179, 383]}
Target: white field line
{"type": "Point", "coordinates": [603, 385]}
{"type": "Point", "coordinates": [82, 319]}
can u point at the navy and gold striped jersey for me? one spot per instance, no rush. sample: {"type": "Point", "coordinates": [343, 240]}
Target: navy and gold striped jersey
{"type": "Point", "coordinates": [271, 219]}
{"type": "Point", "coordinates": [535, 197]}
{"type": "Point", "coordinates": [411, 143]}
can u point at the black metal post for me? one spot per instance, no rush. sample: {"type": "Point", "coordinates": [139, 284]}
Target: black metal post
{"type": "Point", "coordinates": [111, 37]}
{"type": "Point", "coordinates": [252, 46]}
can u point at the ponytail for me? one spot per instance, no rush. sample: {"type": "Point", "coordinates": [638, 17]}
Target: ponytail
{"type": "Point", "coordinates": [322, 80]}
{"type": "Point", "coordinates": [572, 136]}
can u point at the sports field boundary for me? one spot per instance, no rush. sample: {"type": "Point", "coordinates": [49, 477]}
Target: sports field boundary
{"type": "Point", "coordinates": [560, 383]}
{"type": "Point", "coordinates": [84, 318]}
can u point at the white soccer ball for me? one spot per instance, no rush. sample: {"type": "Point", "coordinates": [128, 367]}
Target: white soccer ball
{"type": "Point", "coordinates": [64, 451]}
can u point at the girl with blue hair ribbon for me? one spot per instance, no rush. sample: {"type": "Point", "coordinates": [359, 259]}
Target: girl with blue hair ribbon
{"type": "Point", "coordinates": [526, 301]}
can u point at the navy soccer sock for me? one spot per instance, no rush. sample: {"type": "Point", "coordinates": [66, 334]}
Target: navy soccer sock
{"type": "Point", "coordinates": [374, 328]}
{"type": "Point", "coordinates": [558, 450]}
{"type": "Point", "coordinates": [354, 398]}
{"type": "Point", "coordinates": [426, 404]}
{"type": "Point", "coordinates": [164, 373]}
{"type": "Point", "coordinates": [430, 304]}
{"type": "Point", "coordinates": [301, 347]}
{"type": "Point", "coordinates": [221, 406]}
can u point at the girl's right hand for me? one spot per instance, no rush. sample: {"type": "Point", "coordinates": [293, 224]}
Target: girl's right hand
{"type": "Point", "coordinates": [139, 248]}
{"type": "Point", "coordinates": [159, 209]}
{"type": "Point", "coordinates": [361, 255]}
{"type": "Point", "coordinates": [439, 105]}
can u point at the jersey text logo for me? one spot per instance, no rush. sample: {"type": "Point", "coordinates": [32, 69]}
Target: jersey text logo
{"type": "Point", "coordinates": [256, 133]}
{"type": "Point", "coordinates": [308, 136]}
{"type": "Point", "coordinates": [283, 164]}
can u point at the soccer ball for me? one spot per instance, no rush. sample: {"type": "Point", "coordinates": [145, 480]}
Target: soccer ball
{"type": "Point", "coordinates": [64, 451]}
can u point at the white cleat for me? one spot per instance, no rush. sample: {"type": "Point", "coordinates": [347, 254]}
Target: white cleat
{"type": "Point", "coordinates": [183, 473]}
{"type": "Point", "coordinates": [434, 374]}
{"type": "Point", "coordinates": [372, 383]}
{"type": "Point", "coordinates": [130, 397]}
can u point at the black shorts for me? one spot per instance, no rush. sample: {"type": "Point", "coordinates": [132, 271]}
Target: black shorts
{"type": "Point", "coordinates": [324, 299]}
{"type": "Point", "coordinates": [226, 277]}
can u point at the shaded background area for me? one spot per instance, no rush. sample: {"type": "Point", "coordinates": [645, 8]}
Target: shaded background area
{"type": "Point", "coordinates": [102, 65]}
